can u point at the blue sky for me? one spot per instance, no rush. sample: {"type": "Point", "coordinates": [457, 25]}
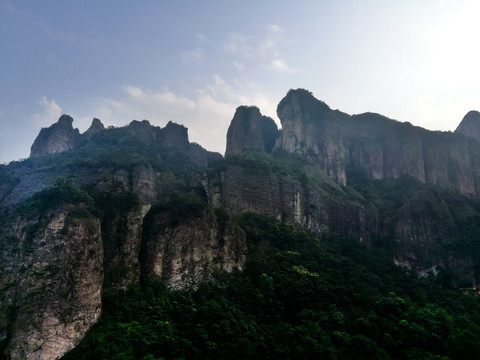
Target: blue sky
{"type": "Point", "coordinates": [194, 62]}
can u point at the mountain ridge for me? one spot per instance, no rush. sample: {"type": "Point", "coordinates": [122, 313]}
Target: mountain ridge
{"type": "Point", "coordinates": [154, 205]}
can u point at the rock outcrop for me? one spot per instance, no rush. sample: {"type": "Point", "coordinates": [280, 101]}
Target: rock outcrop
{"type": "Point", "coordinates": [306, 197]}
{"type": "Point", "coordinates": [172, 140]}
{"type": "Point", "coordinates": [381, 147]}
{"type": "Point", "coordinates": [51, 280]}
{"type": "Point", "coordinates": [470, 125]}
{"type": "Point", "coordinates": [250, 131]}
{"type": "Point", "coordinates": [96, 127]}
{"type": "Point", "coordinates": [59, 137]}
{"type": "Point", "coordinates": [192, 251]}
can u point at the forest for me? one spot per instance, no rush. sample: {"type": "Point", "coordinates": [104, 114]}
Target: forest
{"type": "Point", "coordinates": [298, 298]}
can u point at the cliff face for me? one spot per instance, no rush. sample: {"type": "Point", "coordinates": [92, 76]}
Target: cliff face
{"type": "Point", "coordinates": [59, 137]}
{"type": "Point", "coordinates": [56, 263]}
{"type": "Point", "coordinates": [250, 131]}
{"type": "Point", "coordinates": [192, 251]}
{"type": "Point", "coordinates": [138, 216]}
{"type": "Point", "coordinates": [427, 241]}
{"type": "Point", "coordinates": [380, 147]}
{"type": "Point", "coordinates": [470, 125]}
{"type": "Point", "coordinates": [95, 128]}
{"type": "Point", "coordinates": [172, 140]}
{"type": "Point", "coordinates": [311, 128]}
{"type": "Point", "coordinates": [305, 197]}
{"type": "Point", "coordinates": [52, 272]}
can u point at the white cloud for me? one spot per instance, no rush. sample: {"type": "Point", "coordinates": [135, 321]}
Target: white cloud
{"type": "Point", "coordinates": [49, 114]}
{"type": "Point", "coordinates": [264, 49]}
{"type": "Point", "coordinates": [135, 92]}
{"type": "Point", "coordinates": [238, 44]}
{"type": "Point", "coordinates": [275, 28]}
{"type": "Point", "coordinates": [238, 65]}
{"type": "Point", "coordinates": [202, 38]}
{"type": "Point", "coordinates": [280, 66]}
{"type": "Point", "coordinates": [192, 55]}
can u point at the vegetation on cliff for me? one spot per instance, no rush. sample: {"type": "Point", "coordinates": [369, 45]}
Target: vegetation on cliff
{"type": "Point", "coordinates": [297, 298]}
{"type": "Point", "coordinates": [154, 230]}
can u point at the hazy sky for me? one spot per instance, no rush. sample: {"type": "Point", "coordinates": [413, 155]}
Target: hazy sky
{"type": "Point", "coordinates": [194, 62]}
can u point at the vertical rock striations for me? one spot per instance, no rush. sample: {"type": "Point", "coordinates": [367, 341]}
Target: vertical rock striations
{"type": "Point", "coordinates": [311, 128]}
{"type": "Point", "coordinates": [52, 273]}
{"type": "Point", "coordinates": [185, 252]}
{"type": "Point", "coordinates": [470, 125]}
{"type": "Point", "coordinates": [59, 137]}
{"type": "Point", "coordinates": [380, 147]}
{"type": "Point", "coordinates": [250, 131]}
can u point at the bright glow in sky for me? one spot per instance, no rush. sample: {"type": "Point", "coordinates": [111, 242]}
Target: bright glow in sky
{"type": "Point", "coordinates": [195, 62]}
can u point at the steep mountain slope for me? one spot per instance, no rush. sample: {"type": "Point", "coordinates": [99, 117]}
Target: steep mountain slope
{"type": "Point", "coordinates": [124, 206]}
{"type": "Point", "coordinates": [380, 147]}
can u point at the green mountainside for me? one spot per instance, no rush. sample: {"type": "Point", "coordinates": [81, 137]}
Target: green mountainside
{"type": "Point", "coordinates": [336, 237]}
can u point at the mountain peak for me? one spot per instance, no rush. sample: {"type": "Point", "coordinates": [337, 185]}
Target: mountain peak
{"type": "Point", "coordinates": [250, 131]}
{"type": "Point", "coordinates": [94, 128]}
{"type": "Point", "coordinates": [58, 137]}
{"type": "Point", "coordinates": [470, 125]}
{"type": "Point", "coordinates": [65, 120]}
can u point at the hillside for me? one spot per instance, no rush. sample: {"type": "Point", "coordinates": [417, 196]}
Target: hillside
{"type": "Point", "coordinates": [337, 232]}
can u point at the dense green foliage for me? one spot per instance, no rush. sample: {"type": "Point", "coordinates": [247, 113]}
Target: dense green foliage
{"type": "Point", "coordinates": [455, 218]}
{"type": "Point", "coordinates": [180, 206]}
{"type": "Point", "coordinates": [63, 192]}
{"type": "Point", "coordinates": [297, 298]}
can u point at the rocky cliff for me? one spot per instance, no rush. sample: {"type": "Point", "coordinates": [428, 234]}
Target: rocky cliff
{"type": "Point", "coordinates": [381, 147]}
{"type": "Point", "coordinates": [59, 137]}
{"type": "Point", "coordinates": [96, 127]}
{"type": "Point", "coordinates": [51, 283]}
{"type": "Point", "coordinates": [172, 140]}
{"type": "Point", "coordinates": [381, 150]}
{"type": "Point", "coordinates": [190, 245]}
{"type": "Point", "coordinates": [110, 207]}
{"type": "Point", "coordinates": [292, 191]}
{"type": "Point", "coordinates": [470, 125]}
{"type": "Point", "coordinates": [250, 131]}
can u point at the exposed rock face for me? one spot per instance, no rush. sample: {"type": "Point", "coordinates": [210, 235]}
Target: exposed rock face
{"type": "Point", "coordinates": [59, 137]}
{"type": "Point", "coordinates": [311, 128]}
{"type": "Point", "coordinates": [470, 125]}
{"type": "Point", "coordinates": [201, 157]}
{"type": "Point", "coordinates": [381, 147]}
{"type": "Point", "coordinates": [52, 273]}
{"type": "Point", "coordinates": [54, 266]}
{"type": "Point", "coordinates": [193, 251]}
{"type": "Point", "coordinates": [94, 128]}
{"type": "Point", "coordinates": [425, 233]}
{"type": "Point", "coordinates": [320, 208]}
{"type": "Point", "coordinates": [172, 140]}
{"type": "Point", "coordinates": [143, 131]}
{"type": "Point", "coordinates": [175, 137]}
{"type": "Point", "coordinates": [250, 131]}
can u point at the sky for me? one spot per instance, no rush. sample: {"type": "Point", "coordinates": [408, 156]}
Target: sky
{"type": "Point", "coordinates": [194, 62]}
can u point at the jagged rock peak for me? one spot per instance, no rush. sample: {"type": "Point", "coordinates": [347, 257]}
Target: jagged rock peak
{"type": "Point", "coordinates": [303, 102]}
{"type": "Point", "coordinates": [59, 137]}
{"type": "Point", "coordinates": [64, 120]}
{"type": "Point", "coordinates": [470, 125]}
{"type": "Point", "coordinates": [175, 136]}
{"type": "Point", "coordinates": [143, 123]}
{"type": "Point", "coordinates": [95, 127]}
{"type": "Point", "coordinates": [250, 131]}
{"type": "Point", "coordinates": [143, 131]}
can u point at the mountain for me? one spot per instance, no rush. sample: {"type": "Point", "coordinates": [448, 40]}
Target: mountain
{"type": "Point", "coordinates": [89, 216]}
